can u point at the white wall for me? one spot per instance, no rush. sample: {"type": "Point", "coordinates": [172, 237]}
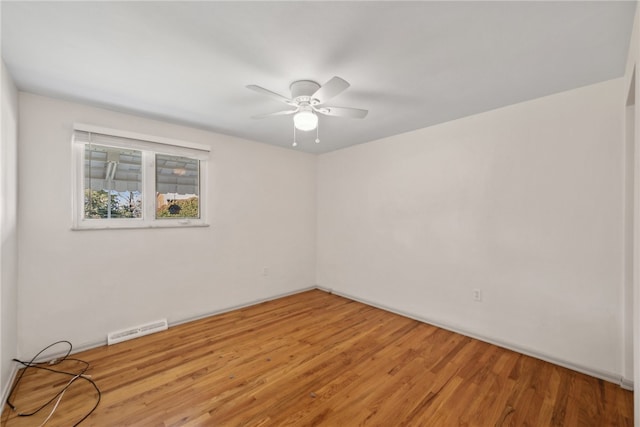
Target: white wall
{"type": "Point", "coordinates": [524, 203]}
{"type": "Point", "coordinates": [80, 285]}
{"type": "Point", "coordinates": [8, 228]}
{"type": "Point", "coordinates": [630, 98]}
{"type": "Point", "coordinates": [629, 250]}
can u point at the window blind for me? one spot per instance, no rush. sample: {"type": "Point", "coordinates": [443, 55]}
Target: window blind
{"type": "Point", "coordinates": [195, 151]}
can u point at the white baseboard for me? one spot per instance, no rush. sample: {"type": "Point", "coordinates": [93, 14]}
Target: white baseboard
{"type": "Point", "coordinates": [95, 344]}
{"type": "Point", "coordinates": [607, 376]}
{"type": "Point", "coordinates": [616, 379]}
{"type": "Point", "coordinates": [100, 343]}
{"type": "Point", "coordinates": [626, 384]}
{"type": "Point", "coordinates": [7, 387]}
{"type": "Point", "coordinates": [237, 307]}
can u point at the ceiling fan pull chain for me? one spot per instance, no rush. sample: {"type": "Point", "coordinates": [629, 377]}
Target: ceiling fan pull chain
{"type": "Point", "coordinates": [295, 144]}
{"type": "Point", "coordinates": [318, 133]}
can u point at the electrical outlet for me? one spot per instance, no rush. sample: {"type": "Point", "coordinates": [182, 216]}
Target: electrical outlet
{"type": "Point", "coordinates": [265, 271]}
{"type": "Point", "coordinates": [477, 295]}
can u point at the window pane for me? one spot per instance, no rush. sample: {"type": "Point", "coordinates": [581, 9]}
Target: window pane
{"type": "Point", "coordinates": [112, 183]}
{"type": "Point", "coordinates": [177, 187]}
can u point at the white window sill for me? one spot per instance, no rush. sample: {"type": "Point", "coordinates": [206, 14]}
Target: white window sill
{"type": "Point", "coordinates": [171, 224]}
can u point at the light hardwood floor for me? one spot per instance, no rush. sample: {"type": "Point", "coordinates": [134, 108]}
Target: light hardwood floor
{"type": "Point", "coordinates": [319, 359]}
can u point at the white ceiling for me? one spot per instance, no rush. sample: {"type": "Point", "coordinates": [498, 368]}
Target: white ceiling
{"type": "Point", "coordinates": [411, 64]}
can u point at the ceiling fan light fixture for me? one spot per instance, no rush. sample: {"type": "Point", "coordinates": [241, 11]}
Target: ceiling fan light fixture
{"type": "Point", "coordinates": [305, 120]}
{"type": "Point", "coordinates": [308, 99]}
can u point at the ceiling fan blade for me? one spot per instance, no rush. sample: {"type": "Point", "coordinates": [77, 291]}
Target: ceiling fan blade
{"type": "Point", "coordinates": [277, 113]}
{"type": "Point", "coordinates": [273, 95]}
{"type": "Point", "coordinates": [330, 89]}
{"type": "Point", "coordinates": [353, 113]}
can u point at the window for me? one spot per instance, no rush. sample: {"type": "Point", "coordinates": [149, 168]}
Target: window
{"type": "Point", "coordinates": [112, 183]}
{"type": "Point", "coordinates": [177, 187]}
{"type": "Point", "coordinates": [125, 180]}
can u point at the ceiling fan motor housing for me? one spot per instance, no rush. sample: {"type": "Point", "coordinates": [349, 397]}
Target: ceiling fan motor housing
{"type": "Point", "coordinates": [302, 90]}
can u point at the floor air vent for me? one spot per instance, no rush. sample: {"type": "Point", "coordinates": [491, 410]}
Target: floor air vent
{"type": "Point", "coordinates": [137, 331]}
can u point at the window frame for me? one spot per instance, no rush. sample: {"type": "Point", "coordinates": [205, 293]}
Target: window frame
{"type": "Point", "coordinates": [149, 146]}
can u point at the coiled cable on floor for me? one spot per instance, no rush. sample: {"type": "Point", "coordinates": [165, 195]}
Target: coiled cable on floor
{"type": "Point", "coordinates": [47, 366]}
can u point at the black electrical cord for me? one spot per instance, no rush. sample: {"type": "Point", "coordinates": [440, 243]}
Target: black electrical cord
{"type": "Point", "coordinates": [15, 384]}
{"type": "Point", "coordinates": [46, 367]}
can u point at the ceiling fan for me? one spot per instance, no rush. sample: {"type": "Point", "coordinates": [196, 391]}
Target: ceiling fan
{"type": "Point", "coordinates": [308, 99]}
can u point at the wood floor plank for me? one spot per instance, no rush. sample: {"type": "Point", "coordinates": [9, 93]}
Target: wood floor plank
{"type": "Point", "coordinates": [316, 359]}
